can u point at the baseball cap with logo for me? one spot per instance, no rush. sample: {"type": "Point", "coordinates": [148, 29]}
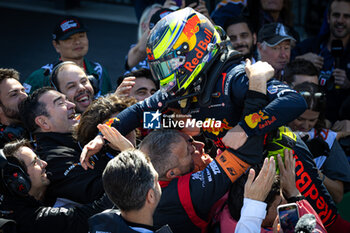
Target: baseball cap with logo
{"type": "Point", "coordinates": [67, 27]}
{"type": "Point", "coordinates": [274, 33]}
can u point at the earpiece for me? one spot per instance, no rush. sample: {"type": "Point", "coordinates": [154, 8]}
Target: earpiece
{"type": "Point", "coordinates": [94, 83]}
{"type": "Point", "coordinates": [16, 181]}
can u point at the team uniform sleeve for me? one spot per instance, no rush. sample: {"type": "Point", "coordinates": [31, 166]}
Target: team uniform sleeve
{"type": "Point", "coordinates": [284, 106]}
{"type": "Point", "coordinates": [209, 185]}
{"type": "Point", "coordinates": [132, 117]}
{"type": "Point", "coordinates": [283, 103]}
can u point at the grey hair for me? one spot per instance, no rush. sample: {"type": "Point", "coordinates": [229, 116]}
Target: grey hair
{"type": "Point", "coordinates": [158, 145]}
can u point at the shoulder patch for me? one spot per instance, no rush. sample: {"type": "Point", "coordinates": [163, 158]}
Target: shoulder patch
{"type": "Point", "coordinates": [272, 89]}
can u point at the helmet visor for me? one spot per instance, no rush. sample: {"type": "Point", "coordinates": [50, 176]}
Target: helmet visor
{"type": "Point", "coordinates": [163, 68]}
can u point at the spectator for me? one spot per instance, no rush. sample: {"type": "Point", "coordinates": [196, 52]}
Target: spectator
{"type": "Point", "coordinates": [71, 80]}
{"type": "Point", "coordinates": [23, 185]}
{"type": "Point", "coordinates": [330, 158]}
{"type": "Point", "coordinates": [139, 84]}
{"type": "Point", "coordinates": [242, 36]}
{"type": "Point", "coordinates": [274, 46]}
{"type": "Point", "coordinates": [132, 184]}
{"type": "Point", "coordinates": [11, 94]}
{"type": "Point", "coordinates": [335, 72]}
{"type": "Point", "coordinates": [299, 71]}
{"type": "Point", "coordinates": [51, 117]}
{"type": "Point", "coordinates": [71, 43]}
{"type": "Point", "coordinates": [137, 52]}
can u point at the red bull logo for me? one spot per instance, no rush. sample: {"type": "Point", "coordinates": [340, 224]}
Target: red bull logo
{"type": "Point", "coordinates": [191, 26]}
{"type": "Point", "coordinates": [202, 47]}
{"type": "Point", "coordinates": [150, 56]}
{"type": "Point", "coordinates": [309, 190]}
{"type": "Point", "coordinates": [110, 121]}
{"type": "Point", "coordinates": [253, 119]}
{"type": "Point", "coordinates": [188, 33]}
{"type": "Point", "coordinates": [216, 130]}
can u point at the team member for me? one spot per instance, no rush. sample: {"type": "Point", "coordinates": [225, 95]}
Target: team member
{"type": "Point", "coordinates": [71, 80]}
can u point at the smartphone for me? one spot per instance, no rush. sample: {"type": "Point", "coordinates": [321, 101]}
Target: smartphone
{"type": "Point", "coordinates": [188, 2]}
{"type": "Point", "coordinates": [288, 215]}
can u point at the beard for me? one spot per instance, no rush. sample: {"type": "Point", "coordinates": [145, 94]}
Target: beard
{"type": "Point", "coordinates": [340, 35]}
{"type": "Point", "coordinates": [251, 53]}
{"type": "Point", "coordinates": [11, 113]}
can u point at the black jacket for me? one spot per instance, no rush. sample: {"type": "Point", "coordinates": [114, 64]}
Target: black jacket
{"type": "Point", "coordinates": [68, 179]}
{"type": "Point", "coordinates": [34, 216]}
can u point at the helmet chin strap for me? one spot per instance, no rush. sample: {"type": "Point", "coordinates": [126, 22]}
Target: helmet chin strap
{"type": "Point", "coordinates": [184, 101]}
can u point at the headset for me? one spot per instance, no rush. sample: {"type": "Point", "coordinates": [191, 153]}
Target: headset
{"type": "Point", "coordinates": [15, 180]}
{"type": "Point", "coordinates": [54, 72]}
{"type": "Point", "coordinates": [94, 81]}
